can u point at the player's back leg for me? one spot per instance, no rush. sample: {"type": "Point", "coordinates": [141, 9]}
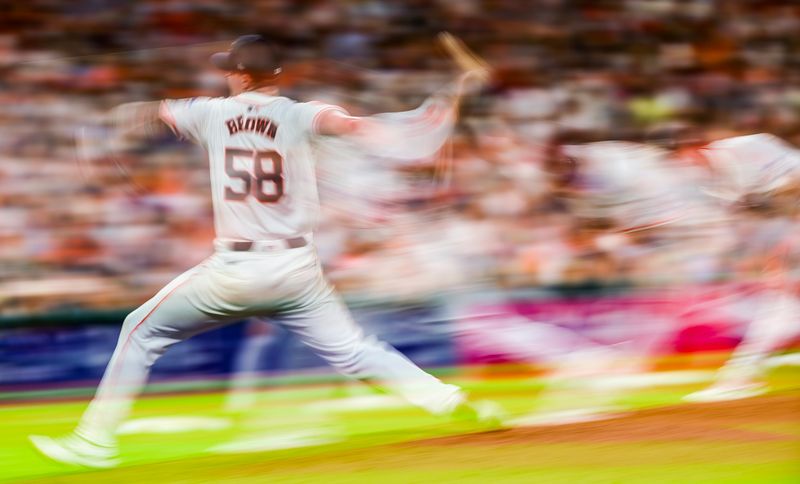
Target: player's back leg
{"type": "Point", "coordinates": [328, 329]}
{"type": "Point", "coordinates": [165, 319]}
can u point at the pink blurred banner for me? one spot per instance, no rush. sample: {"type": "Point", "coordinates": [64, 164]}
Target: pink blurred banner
{"type": "Point", "coordinates": [539, 330]}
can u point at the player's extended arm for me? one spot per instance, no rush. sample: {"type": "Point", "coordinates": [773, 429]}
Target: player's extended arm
{"type": "Point", "coordinates": [337, 123]}
{"type": "Point", "coordinates": [120, 129]}
{"type": "Point", "coordinates": [132, 122]}
{"type": "Point", "coordinates": [407, 136]}
{"type": "Point", "coordinates": [117, 131]}
{"type": "Point", "coordinates": [474, 73]}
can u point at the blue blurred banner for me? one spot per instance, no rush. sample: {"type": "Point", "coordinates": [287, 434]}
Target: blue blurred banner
{"type": "Point", "coordinates": [77, 354]}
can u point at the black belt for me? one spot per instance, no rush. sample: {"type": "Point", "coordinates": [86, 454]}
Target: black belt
{"type": "Point", "coordinates": [267, 245]}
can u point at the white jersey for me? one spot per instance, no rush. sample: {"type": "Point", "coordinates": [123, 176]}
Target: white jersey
{"type": "Point", "coordinates": [637, 185]}
{"type": "Point", "coordinates": [752, 164]}
{"type": "Point", "coordinates": [261, 160]}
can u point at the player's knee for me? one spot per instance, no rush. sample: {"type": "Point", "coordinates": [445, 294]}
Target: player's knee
{"type": "Point", "coordinates": [131, 320]}
{"type": "Point", "coordinates": [149, 344]}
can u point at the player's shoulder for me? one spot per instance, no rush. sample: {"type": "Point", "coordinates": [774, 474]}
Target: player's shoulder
{"type": "Point", "coordinates": [314, 103]}
{"type": "Point", "coordinates": [311, 108]}
{"type": "Point", "coordinates": [198, 106]}
{"type": "Point", "coordinates": [257, 99]}
{"type": "Point", "coordinates": [251, 100]}
{"type": "Point", "coordinates": [197, 101]}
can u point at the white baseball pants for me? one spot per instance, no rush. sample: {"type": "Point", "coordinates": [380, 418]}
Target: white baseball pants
{"type": "Point", "coordinates": [286, 285]}
{"type": "Point", "coordinates": [775, 324]}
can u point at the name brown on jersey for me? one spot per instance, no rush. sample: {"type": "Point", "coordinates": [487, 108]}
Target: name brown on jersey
{"type": "Point", "coordinates": [260, 125]}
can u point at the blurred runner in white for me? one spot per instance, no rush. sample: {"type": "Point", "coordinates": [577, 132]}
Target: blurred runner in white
{"type": "Point", "coordinates": [759, 173]}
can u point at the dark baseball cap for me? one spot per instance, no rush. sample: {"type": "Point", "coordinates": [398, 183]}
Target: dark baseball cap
{"type": "Point", "coordinates": [248, 53]}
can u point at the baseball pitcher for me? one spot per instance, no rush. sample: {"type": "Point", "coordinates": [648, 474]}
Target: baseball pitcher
{"type": "Point", "coordinates": [264, 193]}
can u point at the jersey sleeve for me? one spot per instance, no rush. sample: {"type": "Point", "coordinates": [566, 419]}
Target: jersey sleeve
{"type": "Point", "coordinates": [186, 117]}
{"type": "Point", "coordinates": [306, 116]}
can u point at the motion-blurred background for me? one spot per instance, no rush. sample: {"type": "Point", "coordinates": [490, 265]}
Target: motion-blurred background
{"type": "Point", "coordinates": [78, 252]}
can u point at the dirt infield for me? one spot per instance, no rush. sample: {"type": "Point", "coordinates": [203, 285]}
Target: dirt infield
{"type": "Point", "coordinates": [722, 421]}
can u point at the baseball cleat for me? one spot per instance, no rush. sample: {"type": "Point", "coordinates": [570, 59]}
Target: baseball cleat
{"type": "Point", "coordinates": [485, 413]}
{"type": "Point", "coordinates": [75, 450]}
{"type": "Point", "coordinates": [724, 393]}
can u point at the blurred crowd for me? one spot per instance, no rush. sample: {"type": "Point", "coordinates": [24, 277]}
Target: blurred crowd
{"type": "Point", "coordinates": [632, 69]}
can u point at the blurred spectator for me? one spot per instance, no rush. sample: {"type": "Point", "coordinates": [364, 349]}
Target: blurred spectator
{"type": "Point", "coordinates": [607, 69]}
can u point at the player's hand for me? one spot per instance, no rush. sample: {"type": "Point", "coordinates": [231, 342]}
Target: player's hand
{"type": "Point", "coordinates": [474, 69]}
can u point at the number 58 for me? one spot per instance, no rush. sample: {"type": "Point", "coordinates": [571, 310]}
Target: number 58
{"type": "Point", "coordinates": [254, 184]}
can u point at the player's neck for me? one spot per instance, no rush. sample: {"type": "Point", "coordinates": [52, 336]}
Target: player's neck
{"type": "Point", "coordinates": [266, 90]}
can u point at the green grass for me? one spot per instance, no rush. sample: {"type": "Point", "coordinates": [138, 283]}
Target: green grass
{"type": "Point", "coordinates": [383, 445]}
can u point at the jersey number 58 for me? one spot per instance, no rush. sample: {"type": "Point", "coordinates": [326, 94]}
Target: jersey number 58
{"type": "Point", "coordinates": [255, 184]}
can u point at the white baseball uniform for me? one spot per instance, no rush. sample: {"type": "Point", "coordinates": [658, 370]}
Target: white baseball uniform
{"type": "Point", "coordinates": [757, 164]}
{"type": "Point", "coordinates": [638, 186]}
{"type": "Point", "coordinates": [644, 191]}
{"type": "Point", "coordinates": [265, 206]}
{"type": "Point", "coordinates": [752, 164]}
